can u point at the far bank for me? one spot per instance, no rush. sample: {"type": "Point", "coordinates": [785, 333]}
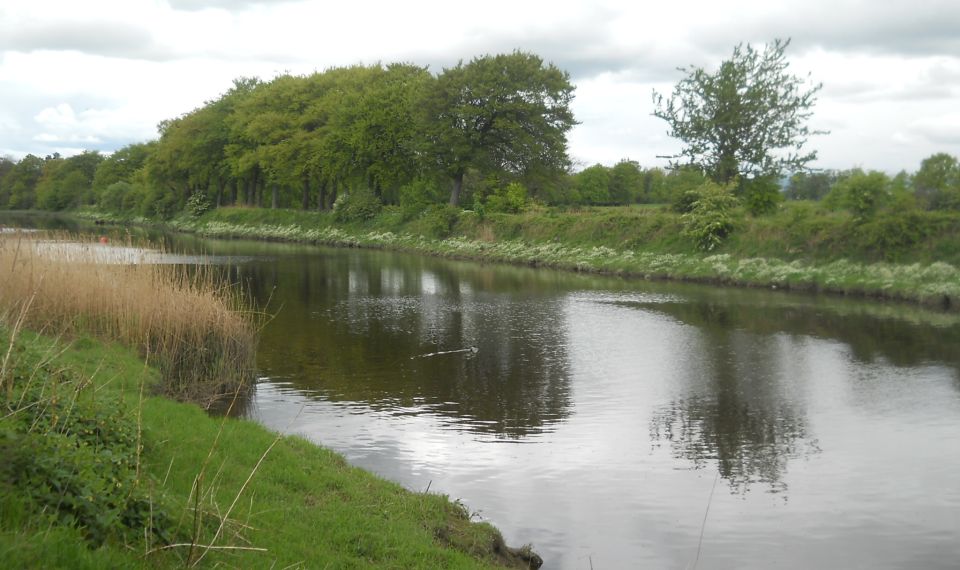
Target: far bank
{"type": "Point", "coordinates": [913, 257]}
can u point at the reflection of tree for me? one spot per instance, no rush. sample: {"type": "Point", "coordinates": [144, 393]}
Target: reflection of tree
{"type": "Point", "coordinates": [749, 443]}
{"type": "Point", "coordinates": [901, 335]}
{"type": "Point", "coordinates": [353, 326]}
{"type": "Point", "coordinates": [736, 413]}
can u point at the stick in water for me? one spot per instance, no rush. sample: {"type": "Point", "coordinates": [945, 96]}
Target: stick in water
{"type": "Point", "coordinates": [472, 350]}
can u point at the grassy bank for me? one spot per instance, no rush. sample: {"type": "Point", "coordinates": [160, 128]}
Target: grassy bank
{"type": "Point", "coordinates": [912, 257]}
{"type": "Point", "coordinates": [98, 474]}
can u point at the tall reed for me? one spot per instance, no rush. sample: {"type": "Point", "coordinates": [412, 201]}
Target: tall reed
{"type": "Point", "coordinates": [186, 321]}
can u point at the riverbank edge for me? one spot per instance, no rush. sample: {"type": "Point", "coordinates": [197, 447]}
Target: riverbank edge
{"type": "Point", "coordinates": [298, 501]}
{"type": "Point", "coordinates": [934, 285]}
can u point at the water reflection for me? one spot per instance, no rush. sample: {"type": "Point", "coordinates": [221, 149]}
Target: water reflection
{"type": "Point", "coordinates": [356, 329]}
{"type": "Point", "coordinates": [736, 414]}
{"type": "Point", "coordinates": [897, 334]}
{"type": "Point", "coordinates": [737, 410]}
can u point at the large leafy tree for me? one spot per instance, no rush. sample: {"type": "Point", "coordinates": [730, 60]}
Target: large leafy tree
{"type": "Point", "coordinates": [7, 165]}
{"type": "Point", "coordinates": [66, 182]}
{"type": "Point", "coordinates": [810, 185]}
{"type": "Point", "coordinates": [19, 185]}
{"type": "Point", "coordinates": [383, 130]}
{"type": "Point", "coordinates": [593, 185]}
{"type": "Point", "coordinates": [507, 114]}
{"type": "Point", "coordinates": [937, 183]}
{"type": "Point", "coordinates": [747, 119]}
{"type": "Point", "coordinates": [626, 182]}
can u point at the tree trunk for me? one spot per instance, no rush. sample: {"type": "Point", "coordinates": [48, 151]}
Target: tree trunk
{"type": "Point", "coordinates": [374, 184]}
{"type": "Point", "coordinates": [333, 194]}
{"type": "Point", "coordinates": [221, 184]}
{"type": "Point", "coordinates": [275, 197]}
{"type": "Point", "coordinates": [322, 197]}
{"type": "Point", "coordinates": [457, 186]}
{"type": "Point", "coordinates": [305, 200]}
{"type": "Point", "coordinates": [255, 185]}
{"type": "Point", "coordinates": [234, 190]}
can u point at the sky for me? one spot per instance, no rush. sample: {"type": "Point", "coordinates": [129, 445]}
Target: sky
{"type": "Point", "coordinates": [100, 74]}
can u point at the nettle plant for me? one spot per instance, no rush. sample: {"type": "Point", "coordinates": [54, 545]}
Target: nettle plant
{"type": "Point", "coordinates": [712, 216]}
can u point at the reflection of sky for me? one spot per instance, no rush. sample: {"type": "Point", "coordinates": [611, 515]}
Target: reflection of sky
{"type": "Point", "coordinates": [869, 480]}
{"type": "Point", "coordinates": [106, 253]}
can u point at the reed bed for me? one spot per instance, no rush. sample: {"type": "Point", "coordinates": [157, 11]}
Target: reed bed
{"type": "Point", "coordinates": [186, 321]}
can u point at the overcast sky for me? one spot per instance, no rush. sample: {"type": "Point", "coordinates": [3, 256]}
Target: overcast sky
{"type": "Point", "coordinates": [100, 74]}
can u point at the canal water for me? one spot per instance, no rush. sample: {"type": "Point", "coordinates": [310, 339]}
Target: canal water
{"type": "Point", "coordinates": [621, 424]}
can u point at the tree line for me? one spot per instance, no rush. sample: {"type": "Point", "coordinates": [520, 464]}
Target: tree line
{"type": "Point", "coordinates": [304, 141]}
{"type": "Point", "coordinates": [120, 183]}
{"type": "Point", "coordinates": [487, 133]}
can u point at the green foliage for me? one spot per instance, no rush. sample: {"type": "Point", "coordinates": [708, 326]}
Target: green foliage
{"type": "Point", "coordinates": [74, 456]}
{"type": "Point", "coordinates": [198, 204]}
{"type": "Point", "coordinates": [121, 166]}
{"type": "Point", "coordinates": [810, 185]}
{"type": "Point", "coordinates": [507, 113]}
{"type": "Point", "coordinates": [760, 195]}
{"type": "Point", "coordinates": [66, 183]}
{"type": "Point", "coordinates": [19, 185]}
{"type": "Point", "coordinates": [358, 205]}
{"type": "Point", "coordinates": [622, 184]}
{"type": "Point", "coordinates": [677, 183]}
{"type": "Point", "coordinates": [937, 183]}
{"type": "Point", "coordinates": [862, 193]}
{"type": "Point", "coordinates": [112, 197]}
{"type": "Point", "coordinates": [626, 182]}
{"type": "Point", "coordinates": [592, 185]}
{"type": "Point", "coordinates": [438, 221]}
{"type": "Point", "coordinates": [158, 203]}
{"type": "Point", "coordinates": [6, 167]}
{"type": "Point", "coordinates": [511, 199]}
{"type": "Point", "coordinates": [893, 234]}
{"type": "Point", "coordinates": [684, 202]}
{"type": "Point", "coordinates": [417, 196]}
{"type": "Point", "coordinates": [746, 119]}
{"type": "Point", "coordinates": [711, 218]}
{"type": "Point", "coordinates": [654, 189]}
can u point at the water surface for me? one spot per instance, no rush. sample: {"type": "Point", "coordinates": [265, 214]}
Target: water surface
{"type": "Point", "coordinates": [600, 418]}
{"type": "Point", "coordinates": [613, 423]}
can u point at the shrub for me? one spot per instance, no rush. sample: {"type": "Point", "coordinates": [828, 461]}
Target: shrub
{"type": "Point", "coordinates": [356, 206]}
{"type": "Point", "coordinates": [74, 456]}
{"type": "Point", "coordinates": [893, 234]}
{"type": "Point", "coordinates": [683, 202]}
{"type": "Point", "coordinates": [711, 219]}
{"type": "Point", "coordinates": [511, 199]}
{"type": "Point", "coordinates": [438, 221]}
{"type": "Point", "coordinates": [861, 193]}
{"type": "Point", "coordinates": [198, 204]}
{"type": "Point", "coordinates": [760, 195]}
{"type": "Point", "coordinates": [417, 196]}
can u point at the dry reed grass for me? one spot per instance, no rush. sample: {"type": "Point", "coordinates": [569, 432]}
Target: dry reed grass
{"type": "Point", "coordinates": [188, 323]}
